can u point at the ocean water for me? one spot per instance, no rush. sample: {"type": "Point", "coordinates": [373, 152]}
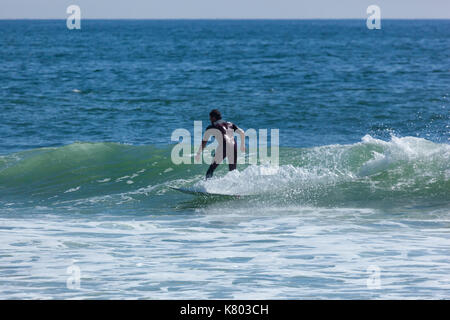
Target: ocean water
{"type": "Point", "coordinates": [359, 207]}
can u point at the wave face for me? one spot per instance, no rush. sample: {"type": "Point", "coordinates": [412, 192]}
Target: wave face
{"type": "Point", "coordinates": [372, 172]}
{"type": "Point", "coordinates": [404, 172]}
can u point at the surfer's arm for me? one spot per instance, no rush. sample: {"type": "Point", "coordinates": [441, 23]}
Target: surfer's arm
{"type": "Point", "coordinates": [202, 146]}
{"type": "Point", "coordinates": [205, 139]}
{"type": "Point", "coordinates": [242, 135]}
{"type": "Point", "coordinates": [200, 149]}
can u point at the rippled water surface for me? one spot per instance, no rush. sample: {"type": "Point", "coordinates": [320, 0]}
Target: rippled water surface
{"type": "Point", "coordinates": [358, 208]}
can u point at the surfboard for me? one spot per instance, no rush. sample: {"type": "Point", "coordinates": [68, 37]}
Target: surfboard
{"type": "Point", "coordinates": [202, 193]}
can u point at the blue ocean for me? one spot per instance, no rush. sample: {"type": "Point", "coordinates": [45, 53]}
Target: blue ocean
{"type": "Point", "coordinates": [359, 207]}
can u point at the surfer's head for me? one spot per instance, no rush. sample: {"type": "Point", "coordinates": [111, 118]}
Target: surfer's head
{"type": "Point", "coordinates": [214, 115]}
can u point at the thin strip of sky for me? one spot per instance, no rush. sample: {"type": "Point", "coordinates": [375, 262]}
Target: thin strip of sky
{"type": "Point", "coordinates": [225, 9]}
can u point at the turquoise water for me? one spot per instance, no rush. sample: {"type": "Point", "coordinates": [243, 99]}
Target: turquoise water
{"type": "Point", "coordinates": [85, 167]}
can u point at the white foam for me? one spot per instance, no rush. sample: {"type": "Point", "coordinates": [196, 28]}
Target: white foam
{"type": "Point", "coordinates": [255, 180]}
{"type": "Point", "coordinates": [407, 161]}
{"type": "Point", "coordinates": [73, 189]}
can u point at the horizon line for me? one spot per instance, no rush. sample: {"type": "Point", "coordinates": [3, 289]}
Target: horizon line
{"type": "Point", "coordinates": [241, 19]}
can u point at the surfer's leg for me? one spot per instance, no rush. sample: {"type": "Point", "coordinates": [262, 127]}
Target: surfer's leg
{"type": "Point", "coordinates": [211, 169]}
{"type": "Point", "coordinates": [218, 158]}
{"type": "Point", "coordinates": [232, 166]}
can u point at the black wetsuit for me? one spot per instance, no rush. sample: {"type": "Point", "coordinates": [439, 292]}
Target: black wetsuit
{"type": "Point", "coordinates": [225, 129]}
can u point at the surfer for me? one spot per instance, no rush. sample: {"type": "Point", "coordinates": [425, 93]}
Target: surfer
{"type": "Point", "coordinates": [223, 131]}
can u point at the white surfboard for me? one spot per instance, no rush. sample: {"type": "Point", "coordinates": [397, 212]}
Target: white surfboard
{"type": "Point", "coordinates": [202, 193]}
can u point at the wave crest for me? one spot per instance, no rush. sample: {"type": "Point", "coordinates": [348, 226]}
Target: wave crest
{"type": "Point", "coordinates": [404, 170]}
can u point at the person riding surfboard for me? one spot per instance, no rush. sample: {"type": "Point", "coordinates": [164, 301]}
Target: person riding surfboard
{"type": "Point", "coordinates": [223, 131]}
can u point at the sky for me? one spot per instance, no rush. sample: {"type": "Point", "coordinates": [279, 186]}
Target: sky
{"type": "Point", "coordinates": [224, 9]}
